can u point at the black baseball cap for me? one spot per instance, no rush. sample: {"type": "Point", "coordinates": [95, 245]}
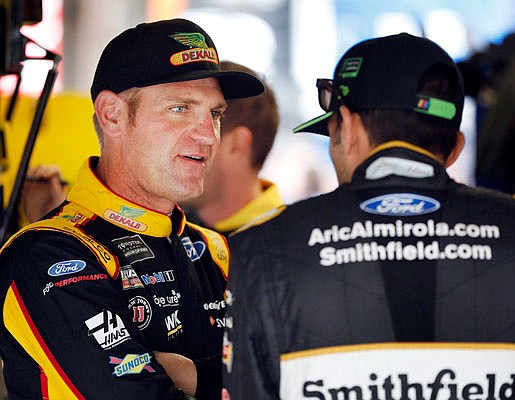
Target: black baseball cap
{"type": "Point", "coordinates": [384, 73]}
{"type": "Point", "coordinates": [166, 51]}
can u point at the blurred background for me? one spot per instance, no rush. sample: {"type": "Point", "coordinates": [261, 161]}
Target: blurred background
{"type": "Point", "coordinates": [292, 42]}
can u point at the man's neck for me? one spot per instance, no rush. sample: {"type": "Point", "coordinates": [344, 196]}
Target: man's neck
{"type": "Point", "coordinates": [235, 196]}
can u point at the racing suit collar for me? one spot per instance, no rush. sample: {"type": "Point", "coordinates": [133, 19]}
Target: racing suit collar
{"type": "Point", "coordinates": [398, 161]}
{"type": "Point", "coordinates": [402, 144]}
{"type": "Point", "coordinates": [91, 193]}
{"type": "Point", "coordinates": [268, 199]}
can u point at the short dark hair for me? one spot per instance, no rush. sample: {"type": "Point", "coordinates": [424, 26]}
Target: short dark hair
{"type": "Point", "coordinates": [433, 134]}
{"type": "Point", "coordinates": [260, 114]}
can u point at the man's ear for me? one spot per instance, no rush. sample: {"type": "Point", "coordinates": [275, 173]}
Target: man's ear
{"type": "Point", "coordinates": [351, 123]}
{"type": "Point", "coordinates": [111, 112]}
{"type": "Point", "coordinates": [456, 151]}
{"type": "Point", "coordinates": [239, 140]}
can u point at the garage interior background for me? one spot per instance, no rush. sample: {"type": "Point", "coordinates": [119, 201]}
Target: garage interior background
{"type": "Point", "coordinates": [292, 42]}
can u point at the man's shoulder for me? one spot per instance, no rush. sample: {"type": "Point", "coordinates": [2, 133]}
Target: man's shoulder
{"type": "Point", "coordinates": [215, 242]}
{"type": "Point", "coordinates": [487, 194]}
{"type": "Point", "coordinates": [260, 219]}
{"type": "Point", "coordinates": [288, 219]}
{"type": "Point", "coordinates": [478, 198]}
{"type": "Point", "coordinates": [204, 232]}
{"type": "Point", "coordinates": [60, 234]}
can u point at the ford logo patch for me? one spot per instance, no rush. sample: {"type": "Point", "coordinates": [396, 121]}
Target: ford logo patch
{"type": "Point", "coordinates": [400, 204]}
{"type": "Point", "coordinates": [66, 267]}
{"type": "Point", "coordinates": [194, 250]}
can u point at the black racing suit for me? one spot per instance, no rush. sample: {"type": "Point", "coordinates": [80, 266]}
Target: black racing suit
{"type": "Point", "coordinates": [90, 293]}
{"type": "Point", "coordinates": [399, 285]}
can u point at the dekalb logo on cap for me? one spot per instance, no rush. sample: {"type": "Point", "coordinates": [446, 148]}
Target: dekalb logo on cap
{"type": "Point", "coordinates": [199, 50]}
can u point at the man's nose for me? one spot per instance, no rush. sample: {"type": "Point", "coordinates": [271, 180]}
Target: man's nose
{"type": "Point", "coordinates": [207, 130]}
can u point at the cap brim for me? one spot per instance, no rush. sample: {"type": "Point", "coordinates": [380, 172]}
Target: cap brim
{"type": "Point", "coordinates": [316, 125]}
{"type": "Point", "coordinates": [234, 84]}
{"type": "Point", "coordinates": [237, 85]}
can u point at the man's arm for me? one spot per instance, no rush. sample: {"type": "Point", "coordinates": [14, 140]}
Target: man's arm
{"type": "Point", "coordinates": [42, 191]}
{"type": "Point", "coordinates": [199, 378]}
{"type": "Point", "coordinates": [181, 369]}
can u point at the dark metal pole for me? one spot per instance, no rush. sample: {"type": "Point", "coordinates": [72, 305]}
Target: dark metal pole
{"type": "Point", "coordinates": [29, 146]}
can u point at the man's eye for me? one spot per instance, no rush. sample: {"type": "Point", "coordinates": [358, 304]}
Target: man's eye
{"type": "Point", "coordinates": [178, 109]}
{"type": "Point", "coordinates": [216, 115]}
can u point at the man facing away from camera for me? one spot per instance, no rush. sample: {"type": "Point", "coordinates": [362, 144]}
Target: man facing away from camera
{"type": "Point", "coordinates": [400, 284]}
{"type": "Point", "coordinates": [234, 194]}
{"type": "Point", "coordinates": [116, 275]}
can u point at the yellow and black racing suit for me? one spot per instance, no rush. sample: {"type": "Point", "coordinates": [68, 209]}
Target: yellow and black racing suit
{"type": "Point", "coordinates": [91, 292]}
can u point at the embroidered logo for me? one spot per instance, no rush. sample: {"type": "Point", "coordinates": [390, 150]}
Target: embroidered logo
{"type": "Point", "coordinates": [133, 248]}
{"type": "Point", "coordinates": [66, 267]}
{"type": "Point", "coordinates": [193, 250]}
{"type": "Point", "coordinates": [198, 49]}
{"type": "Point", "coordinates": [126, 218]}
{"type": "Point", "coordinates": [400, 204]}
{"type": "Point", "coordinates": [141, 311]}
{"type": "Point", "coordinates": [108, 329]}
{"type": "Point", "coordinates": [130, 279]}
{"type": "Point", "coordinates": [173, 324]}
{"type": "Point", "coordinates": [131, 364]}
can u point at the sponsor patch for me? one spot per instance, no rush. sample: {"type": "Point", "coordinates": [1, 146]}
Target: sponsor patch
{"type": "Point", "coordinates": [397, 204]}
{"type": "Point", "coordinates": [130, 279]}
{"type": "Point", "coordinates": [167, 301]}
{"type": "Point", "coordinates": [108, 329]}
{"type": "Point", "coordinates": [66, 267]}
{"type": "Point", "coordinates": [394, 248]}
{"type": "Point", "coordinates": [133, 248]}
{"type": "Point", "coordinates": [141, 311]}
{"type": "Point", "coordinates": [198, 49]}
{"type": "Point", "coordinates": [126, 218]}
{"type": "Point", "coordinates": [350, 67]}
{"type": "Point", "coordinates": [77, 217]}
{"type": "Point", "coordinates": [173, 324]}
{"type": "Point", "coordinates": [401, 371]}
{"type": "Point", "coordinates": [215, 305]}
{"type": "Point", "coordinates": [385, 166]}
{"type": "Point", "coordinates": [193, 250]}
{"type": "Point", "coordinates": [47, 288]}
{"type": "Point", "coordinates": [218, 322]}
{"type": "Point", "coordinates": [131, 364]}
{"type": "Point", "coordinates": [74, 279]}
{"type": "Point", "coordinates": [158, 277]}
{"type": "Point", "coordinates": [436, 107]}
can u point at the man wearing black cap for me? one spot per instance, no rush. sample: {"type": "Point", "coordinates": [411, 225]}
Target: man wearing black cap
{"type": "Point", "coordinates": [400, 284]}
{"type": "Point", "coordinates": [116, 275]}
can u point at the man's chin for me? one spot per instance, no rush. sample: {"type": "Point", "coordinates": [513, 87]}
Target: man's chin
{"type": "Point", "coordinates": [192, 198]}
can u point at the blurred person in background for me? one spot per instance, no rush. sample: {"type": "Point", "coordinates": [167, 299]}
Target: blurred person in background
{"type": "Point", "coordinates": [42, 191]}
{"type": "Point", "coordinates": [233, 192]}
{"type": "Point", "coordinates": [489, 77]}
{"type": "Point", "coordinates": [401, 282]}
